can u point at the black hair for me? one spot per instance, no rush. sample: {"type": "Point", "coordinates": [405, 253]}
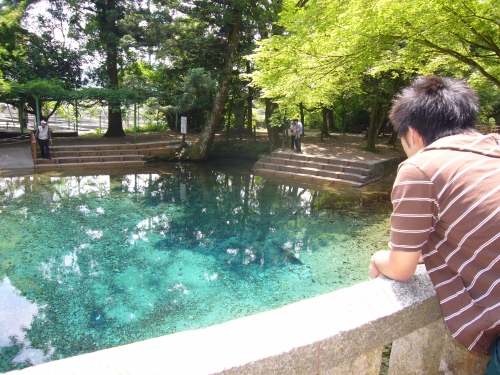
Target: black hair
{"type": "Point", "coordinates": [435, 107]}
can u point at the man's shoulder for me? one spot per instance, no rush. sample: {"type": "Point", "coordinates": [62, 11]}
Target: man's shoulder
{"type": "Point", "coordinates": [431, 154]}
{"type": "Point", "coordinates": [462, 159]}
{"type": "Point", "coordinates": [467, 142]}
{"type": "Point", "coordinates": [410, 170]}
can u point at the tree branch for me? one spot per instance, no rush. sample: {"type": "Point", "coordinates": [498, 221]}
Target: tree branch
{"type": "Point", "coordinates": [466, 60]}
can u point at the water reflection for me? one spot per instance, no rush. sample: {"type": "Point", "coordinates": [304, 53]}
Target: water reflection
{"type": "Point", "coordinates": [16, 317]}
{"type": "Point", "coordinates": [108, 259]}
{"type": "Point", "coordinates": [12, 187]}
{"type": "Point", "coordinates": [17, 314]}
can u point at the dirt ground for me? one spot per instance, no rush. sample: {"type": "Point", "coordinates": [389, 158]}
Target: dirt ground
{"type": "Point", "coordinates": [344, 146]}
{"type": "Point", "coordinates": [349, 147]}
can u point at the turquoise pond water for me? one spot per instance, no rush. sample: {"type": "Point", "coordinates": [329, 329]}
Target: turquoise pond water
{"type": "Point", "coordinates": [93, 261]}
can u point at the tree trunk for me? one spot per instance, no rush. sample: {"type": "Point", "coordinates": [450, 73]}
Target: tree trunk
{"type": "Point", "coordinates": [324, 127]}
{"type": "Point", "coordinates": [239, 112]}
{"type": "Point", "coordinates": [249, 113]}
{"type": "Point", "coordinates": [344, 114]}
{"type": "Point", "coordinates": [377, 117]}
{"type": "Point", "coordinates": [393, 139]}
{"type": "Point", "coordinates": [301, 107]}
{"type": "Point", "coordinates": [242, 129]}
{"type": "Point", "coordinates": [331, 120]}
{"type": "Point", "coordinates": [384, 108]}
{"type": "Point", "coordinates": [249, 104]}
{"type": "Point", "coordinates": [371, 134]}
{"type": "Point", "coordinates": [115, 125]}
{"type": "Point", "coordinates": [273, 132]}
{"type": "Point", "coordinates": [202, 147]}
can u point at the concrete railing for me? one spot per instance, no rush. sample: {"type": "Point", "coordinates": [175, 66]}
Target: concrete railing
{"type": "Point", "coordinates": [338, 333]}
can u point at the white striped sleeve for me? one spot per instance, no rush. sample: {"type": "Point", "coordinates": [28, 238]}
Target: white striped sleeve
{"type": "Point", "coordinates": [414, 209]}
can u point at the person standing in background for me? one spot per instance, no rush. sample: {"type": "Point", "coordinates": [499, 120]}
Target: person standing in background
{"type": "Point", "coordinates": [298, 134]}
{"type": "Point", "coordinates": [293, 132]}
{"type": "Point", "coordinates": [44, 137]}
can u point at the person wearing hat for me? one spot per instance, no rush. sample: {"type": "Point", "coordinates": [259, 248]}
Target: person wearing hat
{"type": "Point", "coordinates": [44, 137]}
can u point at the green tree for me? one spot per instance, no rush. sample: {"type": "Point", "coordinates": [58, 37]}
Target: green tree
{"type": "Point", "coordinates": [201, 149]}
{"type": "Point", "coordinates": [113, 34]}
{"type": "Point", "coordinates": [331, 47]}
{"type": "Point", "coordinates": [231, 27]}
{"type": "Point", "coordinates": [27, 58]}
{"type": "Point", "coordinates": [97, 23]}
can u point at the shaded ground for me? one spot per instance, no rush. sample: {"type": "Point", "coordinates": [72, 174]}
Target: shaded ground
{"type": "Point", "coordinates": [345, 146]}
{"type": "Point", "coordinates": [341, 146]}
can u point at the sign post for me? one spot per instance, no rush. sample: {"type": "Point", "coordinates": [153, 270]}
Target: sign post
{"type": "Point", "coordinates": [183, 128]}
{"type": "Point", "coordinates": [135, 122]}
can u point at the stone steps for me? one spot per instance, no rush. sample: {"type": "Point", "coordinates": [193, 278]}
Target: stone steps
{"type": "Point", "coordinates": [104, 155]}
{"type": "Point", "coordinates": [323, 169]}
{"type": "Point", "coordinates": [97, 164]}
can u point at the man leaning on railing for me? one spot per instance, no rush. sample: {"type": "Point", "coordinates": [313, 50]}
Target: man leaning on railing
{"type": "Point", "coordinates": [446, 209]}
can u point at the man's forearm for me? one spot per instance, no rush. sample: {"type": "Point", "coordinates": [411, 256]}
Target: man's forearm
{"type": "Point", "coordinates": [397, 265]}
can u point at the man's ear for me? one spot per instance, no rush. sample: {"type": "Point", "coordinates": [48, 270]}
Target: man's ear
{"type": "Point", "coordinates": [411, 136]}
{"type": "Point", "coordinates": [415, 139]}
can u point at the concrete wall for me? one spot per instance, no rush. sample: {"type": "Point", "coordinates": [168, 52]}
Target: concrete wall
{"type": "Point", "coordinates": [338, 333]}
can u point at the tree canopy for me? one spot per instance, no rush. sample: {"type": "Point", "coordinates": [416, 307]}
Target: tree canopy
{"type": "Point", "coordinates": [332, 41]}
{"type": "Point", "coordinates": [188, 55]}
{"type": "Point", "coordinates": [330, 46]}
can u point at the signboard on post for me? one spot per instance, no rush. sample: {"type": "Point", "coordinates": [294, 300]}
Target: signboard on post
{"type": "Point", "coordinates": [184, 122]}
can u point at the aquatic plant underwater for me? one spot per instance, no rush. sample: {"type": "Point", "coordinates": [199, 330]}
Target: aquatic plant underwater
{"type": "Point", "coordinates": [89, 262]}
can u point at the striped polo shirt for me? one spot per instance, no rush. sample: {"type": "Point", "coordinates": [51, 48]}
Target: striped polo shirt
{"type": "Point", "coordinates": [446, 201]}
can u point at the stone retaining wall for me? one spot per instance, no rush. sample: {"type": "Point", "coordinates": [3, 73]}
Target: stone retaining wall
{"type": "Point", "coordinates": [342, 332]}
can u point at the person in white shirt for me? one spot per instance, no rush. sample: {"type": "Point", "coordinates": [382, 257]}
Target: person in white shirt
{"type": "Point", "coordinates": [44, 137]}
{"type": "Point", "coordinates": [298, 134]}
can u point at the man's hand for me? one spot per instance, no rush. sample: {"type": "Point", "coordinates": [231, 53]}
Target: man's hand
{"type": "Point", "coordinates": [374, 273]}
{"type": "Point", "coordinates": [397, 265]}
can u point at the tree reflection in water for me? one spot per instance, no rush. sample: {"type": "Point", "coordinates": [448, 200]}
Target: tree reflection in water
{"type": "Point", "coordinates": [109, 259]}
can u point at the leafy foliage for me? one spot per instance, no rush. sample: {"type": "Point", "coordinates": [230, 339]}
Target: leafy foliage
{"type": "Point", "coordinates": [31, 64]}
{"type": "Point", "coordinates": [331, 48]}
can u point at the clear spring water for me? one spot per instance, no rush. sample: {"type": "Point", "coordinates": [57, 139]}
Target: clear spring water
{"type": "Point", "coordinates": [89, 262]}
